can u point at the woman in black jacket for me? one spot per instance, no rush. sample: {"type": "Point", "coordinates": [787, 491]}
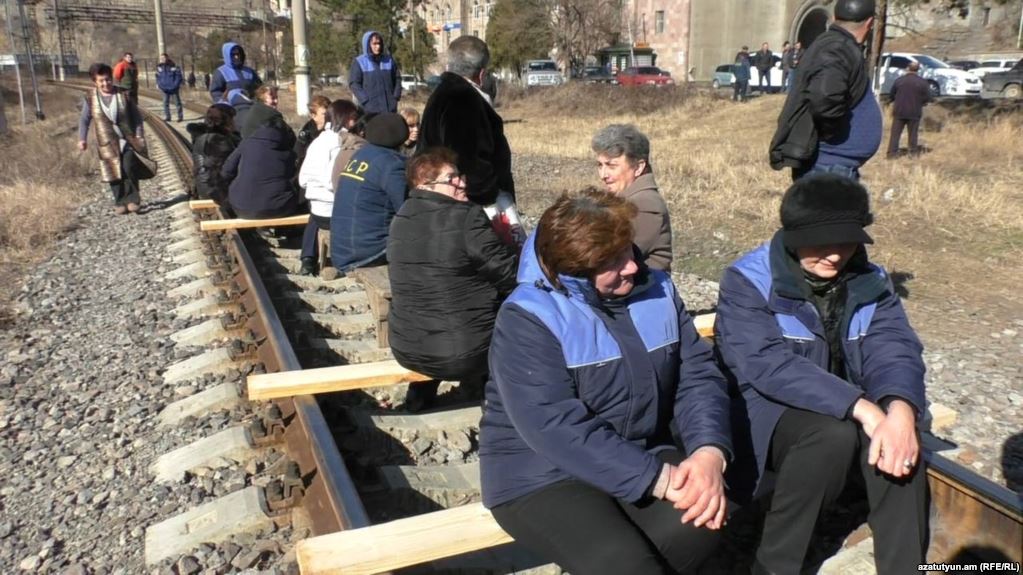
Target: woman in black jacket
{"type": "Point", "coordinates": [262, 169]}
{"type": "Point", "coordinates": [449, 274]}
{"type": "Point", "coordinates": [212, 142]}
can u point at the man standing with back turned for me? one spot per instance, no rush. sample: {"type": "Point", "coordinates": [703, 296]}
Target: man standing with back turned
{"type": "Point", "coordinates": [461, 116]}
{"type": "Point", "coordinates": [909, 93]}
{"type": "Point", "coordinates": [831, 121]}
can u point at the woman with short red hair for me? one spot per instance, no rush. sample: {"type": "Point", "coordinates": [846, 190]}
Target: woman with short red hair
{"type": "Point", "coordinates": [594, 364]}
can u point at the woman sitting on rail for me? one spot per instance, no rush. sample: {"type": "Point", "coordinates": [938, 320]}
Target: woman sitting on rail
{"type": "Point", "coordinates": [831, 377]}
{"type": "Point", "coordinates": [449, 273]}
{"type": "Point", "coordinates": [262, 168]}
{"type": "Point", "coordinates": [594, 364]}
{"type": "Point", "coordinates": [623, 165]}
{"type": "Point", "coordinates": [314, 176]}
{"type": "Point", "coordinates": [213, 140]}
{"type": "Point", "coordinates": [119, 133]}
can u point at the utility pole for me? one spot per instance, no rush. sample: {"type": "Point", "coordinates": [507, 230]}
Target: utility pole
{"type": "Point", "coordinates": [60, 39]}
{"type": "Point", "coordinates": [301, 57]}
{"type": "Point", "coordinates": [877, 43]}
{"type": "Point", "coordinates": [1019, 35]}
{"type": "Point", "coordinates": [158, 14]}
{"type": "Point", "coordinates": [17, 65]}
{"type": "Point", "coordinates": [31, 60]}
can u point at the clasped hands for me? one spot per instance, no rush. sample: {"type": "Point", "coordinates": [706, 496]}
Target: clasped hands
{"type": "Point", "coordinates": [894, 446]}
{"type": "Point", "coordinates": [696, 486]}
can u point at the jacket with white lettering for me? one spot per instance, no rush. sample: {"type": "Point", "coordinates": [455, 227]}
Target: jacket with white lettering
{"type": "Point", "coordinates": [591, 389]}
{"type": "Point", "coordinates": [773, 343]}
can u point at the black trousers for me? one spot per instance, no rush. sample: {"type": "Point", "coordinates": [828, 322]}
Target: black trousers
{"type": "Point", "coordinates": [316, 223]}
{"type": "Point", "coordinates": [126, 190]}
{"type": "Point", "coordinates": [740, 88]}
{"type": "Point", "coordinates": [588, 532]}
{"type": "Point", "coordinates": [813, 455]}
{"type": "Point", "coordinates": [897, 125]}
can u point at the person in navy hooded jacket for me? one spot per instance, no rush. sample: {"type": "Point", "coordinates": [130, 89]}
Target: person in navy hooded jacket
{"type": "Point", "coordinates": [374, 78]}
{"type": "Point", "coordinates": [831, 376]}
{"type": "Point", "coordinates": [234, 74]}
{"type": "Point", "coordinates": [595, 366]}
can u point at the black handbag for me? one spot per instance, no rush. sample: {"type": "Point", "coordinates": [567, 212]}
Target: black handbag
{"type": "Point", "coordinates": [143, 167]}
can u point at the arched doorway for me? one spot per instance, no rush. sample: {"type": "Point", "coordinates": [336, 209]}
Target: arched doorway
{"type": "Point", "coordinates": [813, 24]}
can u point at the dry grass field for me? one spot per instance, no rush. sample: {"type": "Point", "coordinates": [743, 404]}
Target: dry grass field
{"type": "Point", "coordinates": [949, 223]}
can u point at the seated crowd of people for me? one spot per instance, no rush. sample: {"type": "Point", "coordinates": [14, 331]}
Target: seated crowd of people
{"type": "Point", "coordinates": [613, 439]}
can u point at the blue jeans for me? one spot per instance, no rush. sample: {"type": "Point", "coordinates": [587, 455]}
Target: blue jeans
{"type": "Point", "coordinates": [166, 105]}
{"type": "Point", "coordinates": [847, 171]}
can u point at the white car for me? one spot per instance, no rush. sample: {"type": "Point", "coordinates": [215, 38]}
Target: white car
{"type": "Point", "coordinates": [994, 65]}
{"type": "Point", "coordinates": [410, 83]}
{"type": "Point", "coordinates": [944, 79]}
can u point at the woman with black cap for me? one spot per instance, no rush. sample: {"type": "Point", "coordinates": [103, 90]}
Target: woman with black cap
{"type": "Point", "coordinates": [831, 376]}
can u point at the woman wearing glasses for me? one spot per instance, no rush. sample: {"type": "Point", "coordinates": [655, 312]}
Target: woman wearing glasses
{"type": "Point", "coordinates": [449, 274]}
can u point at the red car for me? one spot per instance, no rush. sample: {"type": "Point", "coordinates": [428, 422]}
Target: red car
{"type": "Point", "coordinates": [644, 76]}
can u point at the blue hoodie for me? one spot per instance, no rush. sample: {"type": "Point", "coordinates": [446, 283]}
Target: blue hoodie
{"type": "Point", "coordinates": [227, 77]}
{"type": "Point", "coordinates": [591, 389]}
{"type": "Point", "coordinates": [376, 83]}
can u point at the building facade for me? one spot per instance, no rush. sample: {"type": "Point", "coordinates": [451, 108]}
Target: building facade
{"type": "Point", "coordinates": [664, 26]}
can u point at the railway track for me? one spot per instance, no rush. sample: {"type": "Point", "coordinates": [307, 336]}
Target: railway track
{"type": "Point", "coordinates": [352, 460]}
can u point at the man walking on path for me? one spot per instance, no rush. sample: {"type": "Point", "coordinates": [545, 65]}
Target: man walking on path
{"type": "Point", "coordinates": [764, 61]}
{"type": "Point", "coordinates": [910, 93]}
{"type": "Point", "coordinates": [126, 76]}
{"type": "Point", "coordinates": [191, 80]}
{"type": "Point", "coordinates": [831, 121]}
{"type": "Point", "coordinates": [374, 78]}
{"type": "Point", "coordinates": [168, 79]}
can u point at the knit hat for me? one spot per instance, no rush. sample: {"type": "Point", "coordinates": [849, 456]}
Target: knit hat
{"type": "Point", "coordinates": [825, 209]}
{"type": "Point", "coordinates": [387, 130]}
{"type": "Point", "coordinates": [854, 10]}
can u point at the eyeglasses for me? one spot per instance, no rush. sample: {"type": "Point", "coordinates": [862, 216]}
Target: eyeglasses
{"type": "Point", "coordinates": [448, 179]}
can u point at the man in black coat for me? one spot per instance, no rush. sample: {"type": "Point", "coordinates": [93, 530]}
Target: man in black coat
{"type": "Point", "coordinates": [449, 274]}
{"type": "Point", "coordinates": [460, 116]}
{"type": "Point", "coordinates": [831, 122]}
{"type": "Point", "coordinates": [764, 61]}
{"type": "Point", "coordinates": [910, 93]}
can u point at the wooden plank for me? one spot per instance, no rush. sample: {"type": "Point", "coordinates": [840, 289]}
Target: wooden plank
{"type": "Point", "coordinates": [329, 379]}
{"type": "Point", "coordinates": [217, 225]}
{"type": "Point", "coordinates": [377, 283]}
{"type": "Point", "coordinates": [202, 205]}
{"type": "Point", "coordinates": [401, 543]}
{"type": "Point", "coordinates": [705, 324]}
{"type": "Point", "coordinates": [941, 417]}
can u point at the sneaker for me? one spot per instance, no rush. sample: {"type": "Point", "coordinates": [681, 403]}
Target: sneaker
{"type": "Point", "coordinates": [133, 207]}
{"type": "Point", "coordinates": [120, 210]}
{"type": "Point", "coordinates": [308, 267]}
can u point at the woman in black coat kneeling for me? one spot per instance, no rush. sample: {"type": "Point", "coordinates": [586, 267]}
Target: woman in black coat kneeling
{"type": "Point", "coordinates": [449, 274]}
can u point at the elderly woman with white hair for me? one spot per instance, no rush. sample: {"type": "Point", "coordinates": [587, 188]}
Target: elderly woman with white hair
{"type": "Point", "coordinates": [623, 164]}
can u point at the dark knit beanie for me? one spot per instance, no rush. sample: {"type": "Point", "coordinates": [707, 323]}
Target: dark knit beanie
{"type": "Point", "coordinates": [854, 10]}
{"type": "Point", "coordinates": [825, 209]}
{"type": "Point", "coordinates": [387, 130]}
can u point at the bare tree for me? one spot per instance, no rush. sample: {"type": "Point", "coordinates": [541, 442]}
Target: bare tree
{"type": "Point", "coordinates": [581, 27]}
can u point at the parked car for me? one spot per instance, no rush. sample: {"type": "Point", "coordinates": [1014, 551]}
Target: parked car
{"type": "Point", "coordinates": [644, 76]}
{"type": "Point", "coordinates": [943, 79]}
{"type": "Point", "coordinates": [775, 75]}
{"type": "Point", "coordinates": [409, 83]}
{"type": "Point", "coordinates": [994, 65]}
{"type": "Point", "coordinates": [542, 73]}
{"type": "Point", "coordinates": [724, 76]}
{"type": "Point", "coordinates": [598, 75]}
{"type": "Point", "coordinates": [967, 65]}
{"type": "Point", "coordinates": [1008, 84]}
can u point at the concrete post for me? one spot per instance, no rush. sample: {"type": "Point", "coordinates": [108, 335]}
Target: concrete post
{"type": "Point", "coordinates": [31, 60]}
{"type": "Point", "coordinates": [158, 14]}
{"type": "Point", "coordinates": [17, 65]}
{"type": "Point", "coordinates": [298, 24]}
{"type": "Point", "coordinates": [60, 39]}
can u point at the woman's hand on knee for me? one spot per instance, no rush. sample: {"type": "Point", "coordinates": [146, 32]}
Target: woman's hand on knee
{"type": "Point", "coordinates": [697, 486]}
{"type": "Point", "coordinates": [895, 448]}
{"type": "Point", "coordinates": [869, 415]}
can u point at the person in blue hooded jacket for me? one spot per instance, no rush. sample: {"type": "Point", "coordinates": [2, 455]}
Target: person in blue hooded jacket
{"type": "Point", "coordinates": [370, 189]}
{"type": "Point", "coordinates": [605, 430]}
{"type": "Point", "coordinates": [234, 74]}
{"type": "Point", "coordinates": [168, 79]}
{"type": "Point", "coordinates": [374, 78]}
{"type": "Point", "coordinates": [831, 379]}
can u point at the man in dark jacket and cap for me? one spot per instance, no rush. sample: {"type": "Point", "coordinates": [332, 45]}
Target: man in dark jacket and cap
{"type": "Point", "coordinates": [910, 93]}
{"type": "Point", "coordinates": [374, 78]}
{"type": "Point", "coordinates": [831, 121]}
{"type": "Point", "coordinates": [234, 74]}
{"type": "Point", "coordinates": [262, 167]}
{"type": "Point", "coordinates": [168, 79]}
{"type": "Point", "coordinates": [370, 189]}
{"type": "Point", "coordinates": [831, 380]}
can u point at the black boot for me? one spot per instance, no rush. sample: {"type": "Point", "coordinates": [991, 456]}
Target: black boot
{"type": "Point", "coordinates": [308, 267]}
{"type": "Point", "coordinates": [422, 395]}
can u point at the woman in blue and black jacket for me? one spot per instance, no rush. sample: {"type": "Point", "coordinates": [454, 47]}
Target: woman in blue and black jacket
{"type": "Point", "coordinates": [831, 376]}
{"type": "Point", "coordinates": [596, 374]}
